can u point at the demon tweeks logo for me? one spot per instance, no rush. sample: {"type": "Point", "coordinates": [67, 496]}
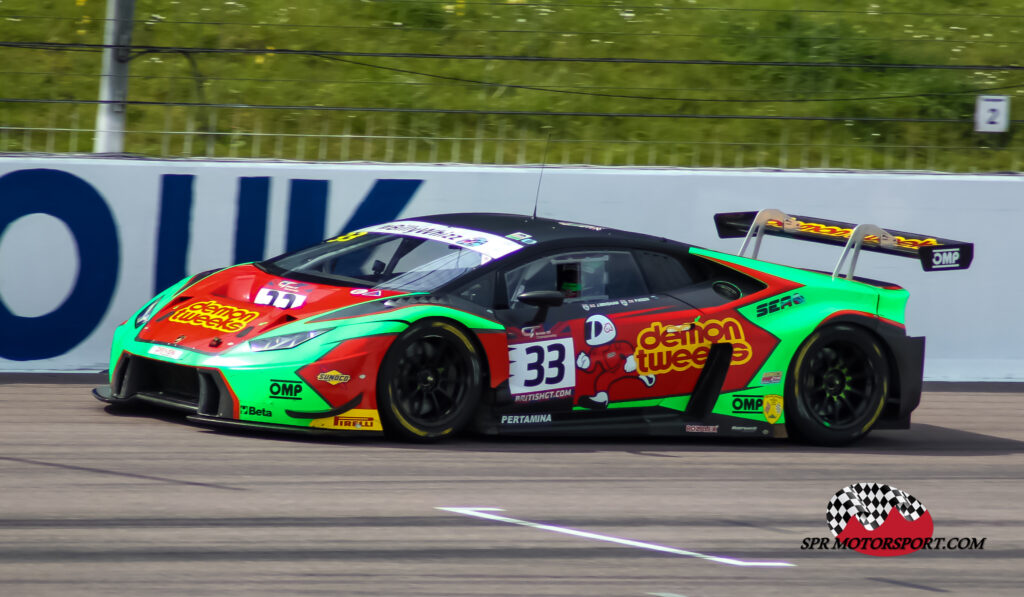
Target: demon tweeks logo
{"type": "Point", "coordinates": [663, 347]}
{"type": "Point", "coordinates": [215, 316]}
{"type": "Point", "coordinates": [840, 232]}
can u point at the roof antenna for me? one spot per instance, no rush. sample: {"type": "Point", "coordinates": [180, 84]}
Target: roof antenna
{"type": "Point", "coordinates": [543, 162]}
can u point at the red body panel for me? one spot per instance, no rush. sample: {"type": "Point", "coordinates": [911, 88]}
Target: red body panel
{"type": "Point", "coordinates": [348, 370]}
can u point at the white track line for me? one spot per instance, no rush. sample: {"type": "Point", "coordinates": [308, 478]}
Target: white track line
{"type": "Point", "coordinates": [485, 513]}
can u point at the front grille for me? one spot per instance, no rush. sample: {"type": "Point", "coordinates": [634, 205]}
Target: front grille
{"type": "Point", "coordinates": [198, 390]}
{"type": "Point", "coordinates": [141, 377]}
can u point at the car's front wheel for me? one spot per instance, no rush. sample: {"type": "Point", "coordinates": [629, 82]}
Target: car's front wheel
{"type": "Point", "coordinates": [430, 382]}
{"type": "Point", "coordinates": [837, 386]}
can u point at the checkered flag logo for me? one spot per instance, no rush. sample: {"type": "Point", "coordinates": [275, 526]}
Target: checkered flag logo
{"type": "Point", "coordinates": [871, 504]}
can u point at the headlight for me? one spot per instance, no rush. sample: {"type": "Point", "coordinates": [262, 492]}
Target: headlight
{"type": "Point", "coordinates": [285, 341]}
{"type": "Point", "coordinates": [146, 313]}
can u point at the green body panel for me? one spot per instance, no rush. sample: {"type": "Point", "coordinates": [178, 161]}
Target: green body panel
{"type": "Point", "coordinates": [416, 313]}
{"type": "Point", "coordinates": [892, 304]}
{"type": "Point", "coordinates": [889, 303]}
{"type": "Point", "coordinates": [672, 402]}
{"type": "Point", "coordinates": [675, 402]}
{"type": "Point", "coordinates": [823, 296]}
{"type": "Point", "coordinates": [125, 333]}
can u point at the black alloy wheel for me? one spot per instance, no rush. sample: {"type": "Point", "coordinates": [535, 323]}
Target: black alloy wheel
{"type": "Point", "coordinates": [430, 382]}
{"type": "Point", "coordinates": [837, 387]}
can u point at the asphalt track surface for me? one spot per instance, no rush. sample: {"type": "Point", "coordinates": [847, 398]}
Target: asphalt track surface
{"type": "Point", "coordinates": [96, 503]}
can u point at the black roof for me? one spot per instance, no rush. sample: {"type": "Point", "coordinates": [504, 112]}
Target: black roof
{"type": "Point", "coordinates": [545, 230]}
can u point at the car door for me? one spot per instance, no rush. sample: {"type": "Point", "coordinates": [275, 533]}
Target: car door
{"type": "Point", "coordinates": [583, 353]}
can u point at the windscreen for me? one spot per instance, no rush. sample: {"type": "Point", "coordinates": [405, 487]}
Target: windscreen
{"type": "Point", "coordinates": [379, 261]}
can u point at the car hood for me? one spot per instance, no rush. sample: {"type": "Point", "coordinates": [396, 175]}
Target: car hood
{"type": "Point", "coordinates": [237, 304]}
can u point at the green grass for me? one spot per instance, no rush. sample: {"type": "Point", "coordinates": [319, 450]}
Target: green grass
{"type": "Point", "coordinates": [712, 133]}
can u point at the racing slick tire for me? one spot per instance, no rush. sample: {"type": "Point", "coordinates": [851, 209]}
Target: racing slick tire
{"type": "Point", "coordinates": [430, 382]}
{"type": "Point", "coordinates": [837, 386]}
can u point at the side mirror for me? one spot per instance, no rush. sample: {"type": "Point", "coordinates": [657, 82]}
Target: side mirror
{"type": "Point", "coordinates": [543, 300]}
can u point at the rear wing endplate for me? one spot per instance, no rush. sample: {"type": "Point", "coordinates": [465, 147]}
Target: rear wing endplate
{"type": "Point", "coordinates": [933, 252]}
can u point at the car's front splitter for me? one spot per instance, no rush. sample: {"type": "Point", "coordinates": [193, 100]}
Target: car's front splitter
{"type": "Point", "coordinates": [105, 394]}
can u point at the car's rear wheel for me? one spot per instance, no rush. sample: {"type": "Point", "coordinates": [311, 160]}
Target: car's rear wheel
{"type": "Point", "coordinates": [430, 382]}
{"type": "Point", "coordinates": [837, 386]}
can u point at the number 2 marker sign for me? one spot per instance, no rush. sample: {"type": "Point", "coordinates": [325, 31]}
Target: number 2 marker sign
{"type": "Point", "coordinates": [992, 114]}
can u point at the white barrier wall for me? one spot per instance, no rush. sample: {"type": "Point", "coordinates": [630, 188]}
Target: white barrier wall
{"type": "Point", "coordinates": [85, 242]}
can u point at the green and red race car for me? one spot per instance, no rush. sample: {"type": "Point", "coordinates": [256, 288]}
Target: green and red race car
{"type": "Point", "coordinates": [509, 324]}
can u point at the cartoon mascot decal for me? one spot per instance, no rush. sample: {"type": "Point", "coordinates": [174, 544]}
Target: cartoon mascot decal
{"type": "Point", "coordinates": [607, 362]}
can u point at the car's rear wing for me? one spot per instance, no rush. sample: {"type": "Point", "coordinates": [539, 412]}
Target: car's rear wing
{"type": "Point", "coordinates": [933, 252]}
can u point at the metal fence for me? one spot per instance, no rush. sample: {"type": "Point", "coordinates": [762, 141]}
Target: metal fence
{"type": "Point", "coordinates": [512, 82]}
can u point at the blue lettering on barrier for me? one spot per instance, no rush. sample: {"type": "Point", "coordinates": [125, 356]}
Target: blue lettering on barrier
{"type": "Point", "coordinates": [307, 211]}
{"type": "Point", "coordinates": [174, 229]}
{"type": "Point", "coordinates": [383, 203]}
{"type": "Point", "coordinates": [251, 222]}
{"type": "Point", "coordinates": [76, 203]}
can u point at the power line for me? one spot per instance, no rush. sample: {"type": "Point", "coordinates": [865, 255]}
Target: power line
{"type": "Point", "coordinates": [674, 99]}
{"type": "Point", "coordinates": [695, 8]}
{"type": "Point", "coordinates": [449, 31]}
{"type": "Point", "coordinates": [147, 49]}
{"type": "Point", "coordinates": [333, 56]}
{"type": "Point", "coordinates": [314, 108]}
{"type": "Point", "coordinates": [655, 8]}
{"type": "Point", "coordinates": [321, 80]}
